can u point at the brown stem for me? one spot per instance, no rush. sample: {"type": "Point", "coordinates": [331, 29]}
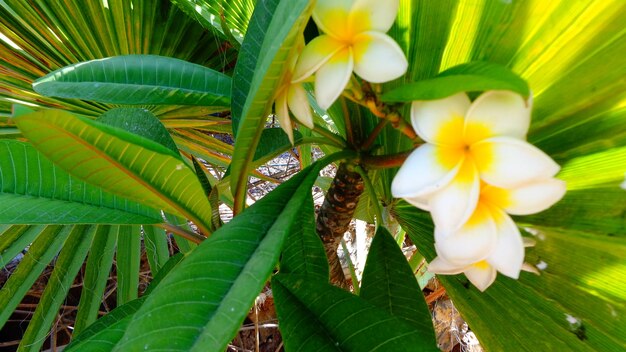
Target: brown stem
{"type": "Point", "coordinates": [384, 161]}
{"type": "Point", "coordinates": [335, 216]}
{"type": "Point", "coordinates": [375, 132]}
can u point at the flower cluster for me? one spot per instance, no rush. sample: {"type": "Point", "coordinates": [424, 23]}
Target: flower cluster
{"type": "Point", "coordinates": [474, 169]}
{"type": "Point", "coordinates": [353, 39]}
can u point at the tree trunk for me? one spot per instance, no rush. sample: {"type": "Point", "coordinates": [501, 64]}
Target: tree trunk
{"type": "Point", "coordinates": [335, 216]}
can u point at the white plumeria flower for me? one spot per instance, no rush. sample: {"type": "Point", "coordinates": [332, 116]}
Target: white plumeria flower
{"type": "Point", "coordinates": [354, 39]}
{"type": "Point", "coordinates": [292, 96]}
{"type": "Point", "coordinates": [489, 241]}
{"type": "Point", "coordinates": [465, 143]}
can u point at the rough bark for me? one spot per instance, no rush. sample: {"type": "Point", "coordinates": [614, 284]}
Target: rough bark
{"type": "Point", "coordinates": [335, 216]}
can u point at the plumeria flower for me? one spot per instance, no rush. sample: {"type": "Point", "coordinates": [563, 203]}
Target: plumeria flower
{"type": "Point", "coordinates": [489, 241]}
{"type": "Point", "coordinates": [354, 39]}
{"type": "Point", "coordinates": [481, 274]}
{"type": "Point", "coordinates": [292, 96]}
{"type": "Point", "coordinates": [465, 143]}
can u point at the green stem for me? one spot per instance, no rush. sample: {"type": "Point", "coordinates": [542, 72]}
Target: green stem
{"type": "Point", "coordinates": [369, 187]}
{"type": "Point", "coordinates": [334, 138]}
{"type": "Point", "coordinates": [191, 236]}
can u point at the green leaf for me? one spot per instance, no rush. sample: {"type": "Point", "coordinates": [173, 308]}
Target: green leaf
{"type": "Point", "coordinates": [28, 181]}
{"type": "Point", "coordinates": [336, 320]}
{"type": "Point", "coordinates": [13, 240]}
{"type": "Point", "coordinates": [97, 271]}
{"type": "Point", "coordinates": [275, 27]}
{"type": "Point", "coordinates": [138, 80]}
{"type": "Point", "coordinates": [108, 330]}
{"type": "Point", "coordinates": [102, 335]}
{"type": "Point", "coordinates": [119, 162]}
{"type": "Point", "coordinates": [582, 281]}
{"type": "Point", "coordinates": [40, 253]}
{"type": "Point", "coordinates": [229, 269]}
{"type": "Point", "coordinates": [140, 122]}
{"type": "Point", "coordinates": [236, 14]}
{"type": "Point", "coordinates": [127, 263]}
{"type": "Point", "coordinates": [157, 247]}
{"type": "Point", "coordinates": [388, 283]}
{"type": "Point", "coordinates": [470, 77]}
{"type": "Point", "coordinates": [304, 253]}
{"type": "Point", "coordinates": [66, 267]}
{"type": "Point", "coordinates": [211, 192]}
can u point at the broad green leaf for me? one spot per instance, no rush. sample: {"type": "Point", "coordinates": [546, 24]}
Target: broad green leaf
{"type": "Point", "coordinates": [102, 335]}
{"type": "Point", "coordinates": [40, 253]}
{"type": "Point", "coordinates": [66, 267]}
{"type": "Point", "coordinates": [127, 262]}
{"type": "Point", "coordinates": [316, 316]}
{"type": "Point", "coordinates": [138, 80]}
{"type": "Point", "coordinates": [108, 330]}
{"type": "Point", "coordinates": [35, 191]}
{"type": "Point", "coordinates": [304, 253]}
{"type": "Point", "coordinates": [119, 162]}
{"type": "Point", "coordinates": [212, 289]}
{"type": "Point", "coordinates": [275, 27]}
{"type": "Point", "coordinates": [156, 243]}
{"type": "Point", "coordinates": [575, 304]}
{"type": "Point", "coordinates": [97, 271]}
{"type": "Point", "coordinates": [388, 283]}
{"type": "Point", "coordinates": [470, 77]}
{"type": "Point", "coordinates": [140, 122]}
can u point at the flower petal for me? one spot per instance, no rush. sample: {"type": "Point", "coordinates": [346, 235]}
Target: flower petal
{"type": "Point", "coordinates": [529, 198]}
{"type": "Point", "coordinates": [314, 55]}
{"type": "Point", "coordinates": [378, 58]}
{"type": "Point", "coordinates": [422, 173]}
{"type": "Point", "coordinates": [440, 266]}
{"type": "Point", "coordinates": [471, 243]}
{"type": "Point", "coordinates": [282, 113]}
{"type": "Point", "coordinates": [481, 275]}
{"type": "Point", "coordinates": [331, 79]}
{"type": "Point", "coordinates": [419, 202]}
{"type": "Point", "coordinates": [441, 121]}
{"type": "Point", "coordinates": [507, 162]}
{"type": "Point", "coordinates": [453, 205]}
{"type": "Point", "coordinates": [331, 16]}
{"type": "Point", "coordinates": [497, 113]}
{"type": "Point", "coordinates": [375, 15]}
{"type": "Point", "coordinates": [299, 104]}
{"type": "Point", "coordinates": [508, 256]}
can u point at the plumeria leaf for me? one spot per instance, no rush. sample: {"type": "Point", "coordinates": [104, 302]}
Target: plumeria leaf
{"type": "Point", "coordinates": [236, 15]}
{"type": "Point", "coordinates": [108, 330]}
{"type": "Point", "coordinates": [337, 320]}
{"type": "Point", "coordinates": [140, 122]}
{"type": "Point", "coordinates": [275, 28]}
{"type": "Point", "coordinates": [125, 164]}
{"type": "Point", "coordinates": [127, 263]}
{"type": "Point", "coordinates": [236, 261]}
{"type": "Point", "coordinates": [66, 266]}
{"type": "Point", "coordinates": [304, 252]}
{"type": "Point", "coordinates": [470, 77]}
{"type": "Point", "coordinates": [156, 242]}
{"type": "Point", "coordinates": [138, 80]}
{"type": "Point", "coordinates": [389, 283]}
{"type": "Point", "coordinates": [97, 271]}
{"type": "Point", "coordinates": [30, 181]}
{"type": "Point", "coordinates": [574, 304]}
{"type": "Point", "coordinates": [42, 250]}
